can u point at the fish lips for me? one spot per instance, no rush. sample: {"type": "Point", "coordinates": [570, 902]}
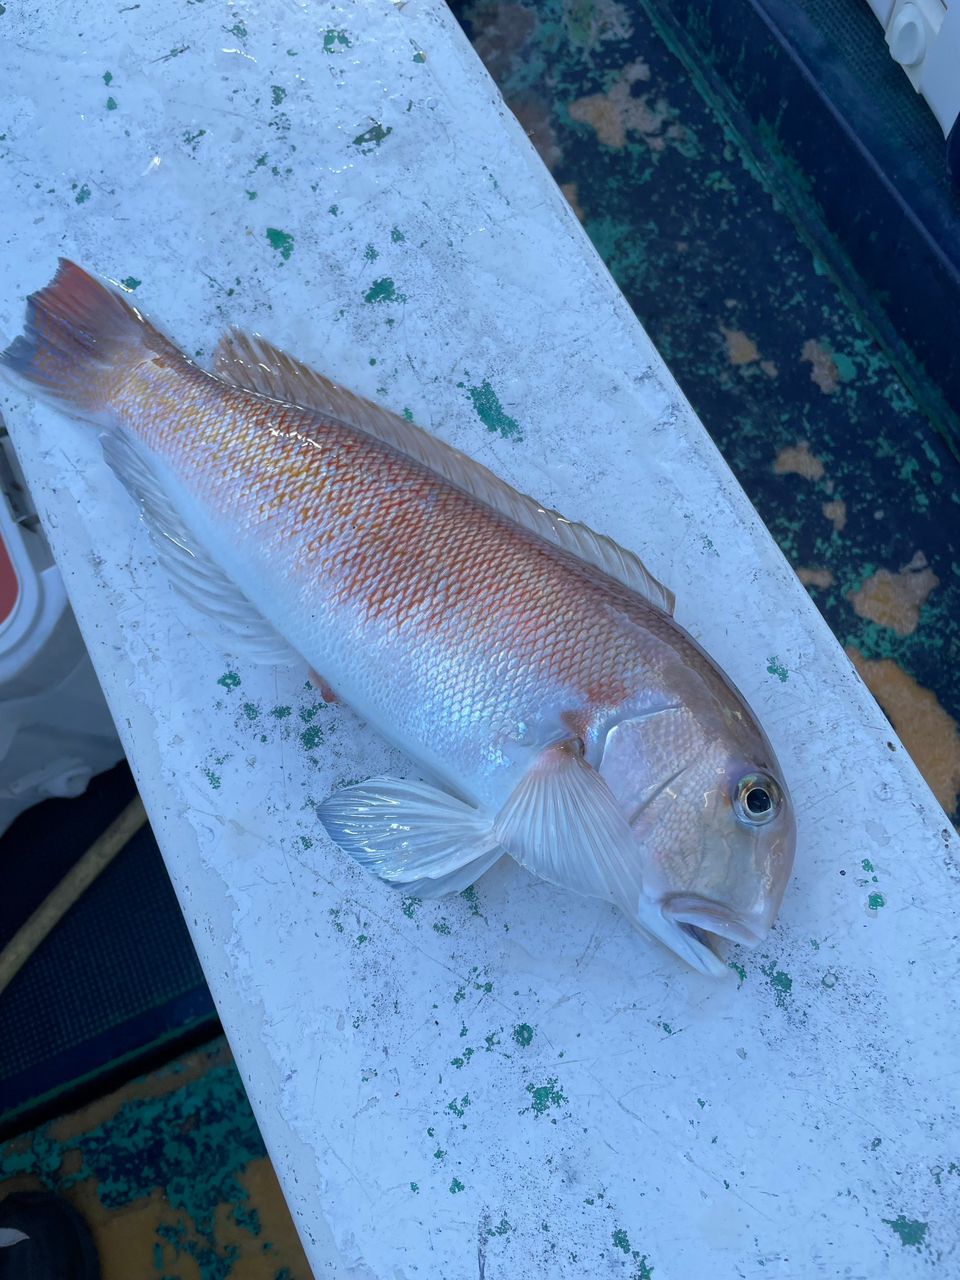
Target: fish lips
{"type": "Point", "coordinates": [713, 918]}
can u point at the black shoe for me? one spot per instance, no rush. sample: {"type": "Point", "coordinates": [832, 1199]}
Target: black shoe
{"type": "Point", "coordinates": [58, 1244]}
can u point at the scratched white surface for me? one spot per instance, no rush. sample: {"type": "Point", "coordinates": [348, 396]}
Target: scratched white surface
{"type": "Point", "coordinates": [512, 1084]}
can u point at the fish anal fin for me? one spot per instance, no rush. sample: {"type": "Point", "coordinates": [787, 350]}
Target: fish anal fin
{"type": "Point", "coordinates": [192, 571]}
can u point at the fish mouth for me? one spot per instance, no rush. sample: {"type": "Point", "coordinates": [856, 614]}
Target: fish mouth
{"type": "Point", "coordinates": [706, 918]}
{"type": "Point", "coordinates": [693, 929]}
{"type": "Point", "coordinates": [688, 941]}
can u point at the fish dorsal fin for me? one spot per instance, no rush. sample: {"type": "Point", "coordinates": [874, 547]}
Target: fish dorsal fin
{"type": "Point", "coordinates": [252, 363]}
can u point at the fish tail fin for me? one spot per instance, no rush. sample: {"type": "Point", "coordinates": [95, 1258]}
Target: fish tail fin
{"type": "Point", "coordinates": [80, 341]}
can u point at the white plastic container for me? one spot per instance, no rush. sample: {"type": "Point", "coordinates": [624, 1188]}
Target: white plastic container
{"type": "Point", "coordinates": [924, 38]}
{"type": "Point", "coordinates": [55, 729]}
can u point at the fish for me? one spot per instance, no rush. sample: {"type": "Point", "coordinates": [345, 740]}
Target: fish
{"type": "Point", "coordinates": [531, 669]}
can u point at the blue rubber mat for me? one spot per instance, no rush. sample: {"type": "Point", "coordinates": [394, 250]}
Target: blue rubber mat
{"type": "Point", "coordinates": [116, 985]}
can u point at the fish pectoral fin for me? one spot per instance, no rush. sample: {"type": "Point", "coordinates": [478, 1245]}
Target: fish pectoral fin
{"type": "Point", "coordinates": [192, 571]}
{"type": "Point", "coordinates": [252, 363]}
{"type": "Point", "coordinates": [563, 823]}
{"type": "Point", "coordinates": [410, 834]}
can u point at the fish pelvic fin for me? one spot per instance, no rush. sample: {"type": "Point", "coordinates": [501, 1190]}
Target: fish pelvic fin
{"type": "Point", "coordinates": [80, 341]}
{"type": "Point", "coordinates": [412, 835]}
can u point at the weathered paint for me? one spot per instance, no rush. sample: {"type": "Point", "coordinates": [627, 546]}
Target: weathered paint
{"type": "Point", "coordinates": [170, 1173]}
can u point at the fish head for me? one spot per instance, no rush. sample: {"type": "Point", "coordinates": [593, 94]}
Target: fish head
{"type": "Point", "coordinates": [705, 798]}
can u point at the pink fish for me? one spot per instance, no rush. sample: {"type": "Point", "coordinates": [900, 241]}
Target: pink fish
{"type": "Point", "coordinates": [530, 667]}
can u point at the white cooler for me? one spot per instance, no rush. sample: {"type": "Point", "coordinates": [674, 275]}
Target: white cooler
{"type": "Point", "coordinates": [55, 729]}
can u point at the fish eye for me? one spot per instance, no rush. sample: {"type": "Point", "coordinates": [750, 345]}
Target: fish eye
{"type": "Point", "coordinates": [757, 799]}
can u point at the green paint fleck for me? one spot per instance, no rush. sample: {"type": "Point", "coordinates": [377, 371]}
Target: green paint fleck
{"type": "Point", "coordinates": [280, 713]}
{"type": "Point", "coordinates": [397, 236]}
{"type": "Point", "coordinates": [459, 995]}
{"type": "Point", "coordinates": [491, 413]}
{"type": "Point", "coordinates": [229, 680]}
{"type": "Point", "coordinates": [461, 1062]}
{"type": "Point", "coordinates": [361, 939]}
{"type": "Point", "coordinates": [455, 1186]}
{"type": "Point", "coordinates": [777, 669]}
{"type": "Point", "coordinates": [311, 737]}
{"type": "Point", "coordinates": [740, 971]}
{"type": "Point", "coordinates": [282, 241]}
{"type": "Point", "coordinates": [544, 1097]}
{"type": "Point", "coordinates": [867, 864]}
{"type": "Point", "coordinates": [111, 104]}
{"type": "Point", "coordinates": [910, 1231]}
{"type": "Point", "coordinates": [666, 1027]}
{"type": "Point", "coordinates": [83, 193]}
{"type": "Point", "coordinates": [701, 1103]}
{"type": "Point", "coordinates": [130, 283]}
{"type": "Point", "coordinates": [384, 291]}
{"type": "Point", "coordinates": [193, 139]}
{"type": "Point", "coordinates": [251, 710]}
{"type": "Point", "coordinates": [373, 136]}
{"type": "Point", "coordinates": [439, 1154]}
{"type": "Point", "coordinates": [876, 901]}
{"type": "Point", "coordinates": [415, 1187]}
{"type": "Point", "coordinates": [621, 1240]}
{"type": "Point", "coordinates": [333, 38]}
{"type": "Point", "coordinates": [370, 253]}
{"type": "Point", "coordinates": [815, 944]}
{"type": "Point", "coordinates": [213, 778]}
{"type": "Point", "coordinates": [238, 30]}
{"type": "Point", "coordinates": [469, 895]}
{"type": "Point", "coordinates": [277, 94]}
{"type": "Point", "coordinates": [251, 195]}
{"type": "Point", "coordinates": [781, 982]}
{"type": "Point", "coordinates": [523, 1034]}
{"type": "Point", "coordinates": [441, 927]}
{"type": "Point", "coordinates": [408, 415]}
{"type": "Point", "coordinates": [261, 161]}
{"type": "Point", "coordinates": [644, 1271]}
{"type": "Point", "coordinates": [306, 842]}
{"type": "Point", "coordinates": [458, 1108]}
{"type": "Point", "coordinates": [108, 77]}
{"type": "Point", "coordinates": [334, 209]}
{"type": "Point", "coordinates": [334, 914]}
{"type": "Point", "coordinates": [419, 56]}
{"type": "Point", "coordinates": [409, 907]}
